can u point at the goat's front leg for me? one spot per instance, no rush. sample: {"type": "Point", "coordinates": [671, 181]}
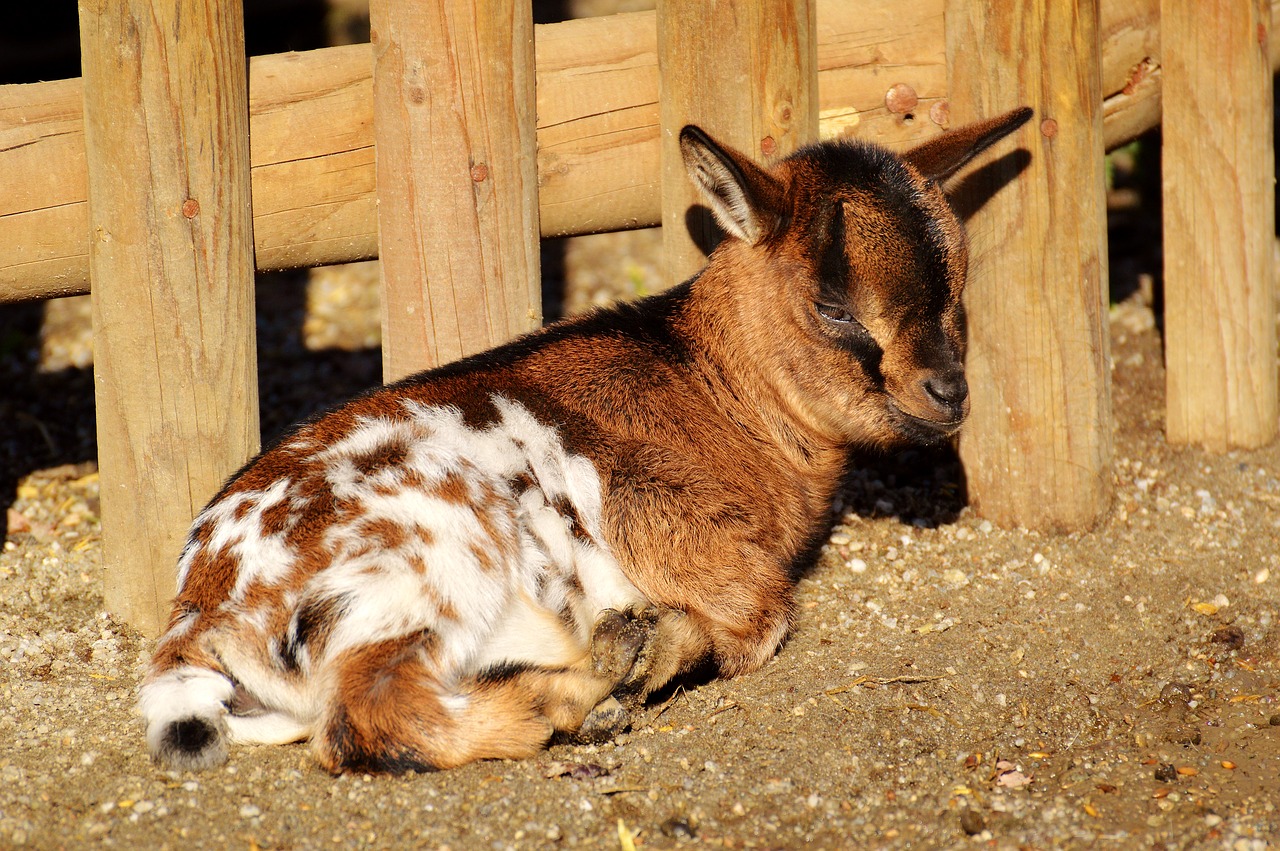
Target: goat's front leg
{"type": "Point", "coordinates": [643, 649]}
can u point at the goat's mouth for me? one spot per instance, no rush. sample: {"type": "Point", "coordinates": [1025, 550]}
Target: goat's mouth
{"type": "Point", "coordinates": [920, 429]}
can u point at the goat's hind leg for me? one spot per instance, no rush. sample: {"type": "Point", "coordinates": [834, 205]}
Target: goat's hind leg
{"type": "Point", "coordinates": [394, 709]}
{"type": "Point", "coordinates": [568, 697]}
{"type": "Point", "coordinates": [391, 709]}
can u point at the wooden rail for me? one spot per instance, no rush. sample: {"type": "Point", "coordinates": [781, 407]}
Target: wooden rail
{"type": "Point", "coordinates": [312, 144]}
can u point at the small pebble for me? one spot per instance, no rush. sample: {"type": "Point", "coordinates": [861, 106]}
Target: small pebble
{"type": "Point", "coordinates": [1175, 696]}
{"type": "Point", "coordinates": [972, 822]}
{"type": "Point", "coordinates": [250, 811]}
{"type": "Point", "coordinates": [1166, 773]}
{"type": "Point", "coordinates": [678, 828]}
{"type": "Point", "coordinates": [1231, 636]}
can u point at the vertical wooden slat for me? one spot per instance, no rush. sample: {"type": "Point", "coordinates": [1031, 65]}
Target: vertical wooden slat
{"type": "Point", "coordinates": [457, 177]}
{"type": "Point", "coordinates": [747, 74]}
{"type": "Point", "coordinates": [1219, 223]}
{"type": "Point", "coordinates": [1038, 447]}
{"type": "Point", "coordinates": [171, 265]}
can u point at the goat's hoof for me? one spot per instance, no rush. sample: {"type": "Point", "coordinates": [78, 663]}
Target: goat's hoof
{"type": "Point", "coordinates": [619, 640]}
{"type": "Point", "coordinates": [603, 723]}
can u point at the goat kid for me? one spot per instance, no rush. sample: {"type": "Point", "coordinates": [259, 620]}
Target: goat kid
{"type": "Point", "coordinates": [454, 566]}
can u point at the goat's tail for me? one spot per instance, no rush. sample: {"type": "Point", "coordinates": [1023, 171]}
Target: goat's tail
{"type": "Point", "coordinates": [185, 709]}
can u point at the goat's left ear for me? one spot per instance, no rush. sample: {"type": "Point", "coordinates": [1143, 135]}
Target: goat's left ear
{"type": "Point", "coordinates": [940, 158]}
{"type": "Point", "coordinates": [745, 199]}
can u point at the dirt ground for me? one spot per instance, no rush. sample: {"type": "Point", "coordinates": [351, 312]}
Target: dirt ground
{"type": "Point", "coordinates": [948, 684]}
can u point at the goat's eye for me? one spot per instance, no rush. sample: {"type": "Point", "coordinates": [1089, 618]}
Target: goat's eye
{"type": "Point", "coordinates": [833, 313]}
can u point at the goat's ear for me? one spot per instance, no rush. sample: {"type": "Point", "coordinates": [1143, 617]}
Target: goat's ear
{"type": "Point", "coordinates": [940, 158]}
{"type": "Point", "coordinates": [745, 199]}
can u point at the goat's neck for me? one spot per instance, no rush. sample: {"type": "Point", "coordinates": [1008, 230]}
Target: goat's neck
{"type": "Point", "coordinates": [738, 367]}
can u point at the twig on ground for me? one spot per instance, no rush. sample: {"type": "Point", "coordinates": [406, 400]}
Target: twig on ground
{"type": "Point", "coordinates": [667, 705]}
{"type": "Point", "coordinates": [873, 682]}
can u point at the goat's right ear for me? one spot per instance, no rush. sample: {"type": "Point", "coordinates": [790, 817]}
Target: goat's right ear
{"type": "Point", "coordinates": [745, 199]}
{"type": "Point", "coordinates": [941, 157]}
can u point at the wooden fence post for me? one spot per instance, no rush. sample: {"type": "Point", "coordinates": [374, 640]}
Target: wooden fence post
{"type": "Point", "coordinates": [171, 264]}
{"type": "Point", "coordinates": [1219, 223]}
{"type": "Point", "coordinates": [746, 73]}
{"type": "Point", "coordinates": [1038, 448]}
{"type": "Point", "coordinates": [455, 135]}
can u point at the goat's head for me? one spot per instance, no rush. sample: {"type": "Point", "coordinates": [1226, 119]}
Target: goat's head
{"type": "Point", "coordinates": [850, 258]}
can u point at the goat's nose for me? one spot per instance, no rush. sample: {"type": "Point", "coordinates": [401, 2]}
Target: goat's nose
{"type": "Point", "coordinates": [949, 391]}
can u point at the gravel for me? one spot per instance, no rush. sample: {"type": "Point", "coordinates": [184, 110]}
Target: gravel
{"type": "Point", "coordinates": [949, 683]}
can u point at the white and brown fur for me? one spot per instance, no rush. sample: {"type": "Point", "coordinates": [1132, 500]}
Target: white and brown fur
{"type": "Point", "coordinates": [454, 566]}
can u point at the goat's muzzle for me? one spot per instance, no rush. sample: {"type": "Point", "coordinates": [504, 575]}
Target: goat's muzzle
{"type": "Point", "coordinates": [935, 410]}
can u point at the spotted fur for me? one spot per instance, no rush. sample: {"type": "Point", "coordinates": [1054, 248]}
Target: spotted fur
{"type": "Point", "coordinates": [452, 567]}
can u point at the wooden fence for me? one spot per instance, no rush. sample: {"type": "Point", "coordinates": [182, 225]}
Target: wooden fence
{"type": "Point", "coordinates": [170, 171]}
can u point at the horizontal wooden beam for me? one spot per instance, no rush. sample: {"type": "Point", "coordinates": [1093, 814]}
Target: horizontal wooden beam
{"type": "Point", "coordinates": [312, 143]}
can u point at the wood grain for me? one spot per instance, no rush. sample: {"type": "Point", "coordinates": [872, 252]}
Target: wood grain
{"type": "Point", "coordinates": [171, 260]}
{"type": "Point", "coordinates": [457, 188]}
{"type": "Point", "coordinates": [1219, 224]}
{"type": "Point", "coordinates": [1037, 449]}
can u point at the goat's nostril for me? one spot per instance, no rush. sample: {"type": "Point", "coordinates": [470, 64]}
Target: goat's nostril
{"type": "Point", "coordinates": [949, 390]}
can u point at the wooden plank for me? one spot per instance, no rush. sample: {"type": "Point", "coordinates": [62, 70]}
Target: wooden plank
{"type": "Point", "coordinates": [44, 210]}
{"type": "Point", "coordinates": [311, 145]}
{"type": "Point", "coordinates": [1219, 224]}
{"type": "Point", "coordinates": [598, 124]}
{"type": "Point", "coordinates": [748, 75]}
{"type": "Point", "coordinates": [598, 150]}
{"type": "Point", "coordinates": [458, 207]}
{"type": "Point", "coordinates": [1038, 446]}
{"type": "Point", "coordinates": [171, 259]}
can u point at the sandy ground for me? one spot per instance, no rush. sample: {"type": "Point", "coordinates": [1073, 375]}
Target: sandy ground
{"type": "Point", "coordinates": [948, 684]}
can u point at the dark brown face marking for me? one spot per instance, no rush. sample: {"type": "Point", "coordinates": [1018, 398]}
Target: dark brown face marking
{"type": "Point", "coordinates": [486, 558]}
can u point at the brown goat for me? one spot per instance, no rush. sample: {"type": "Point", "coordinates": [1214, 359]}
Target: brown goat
{"type": "Point", "coordinates": [454, 566]}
